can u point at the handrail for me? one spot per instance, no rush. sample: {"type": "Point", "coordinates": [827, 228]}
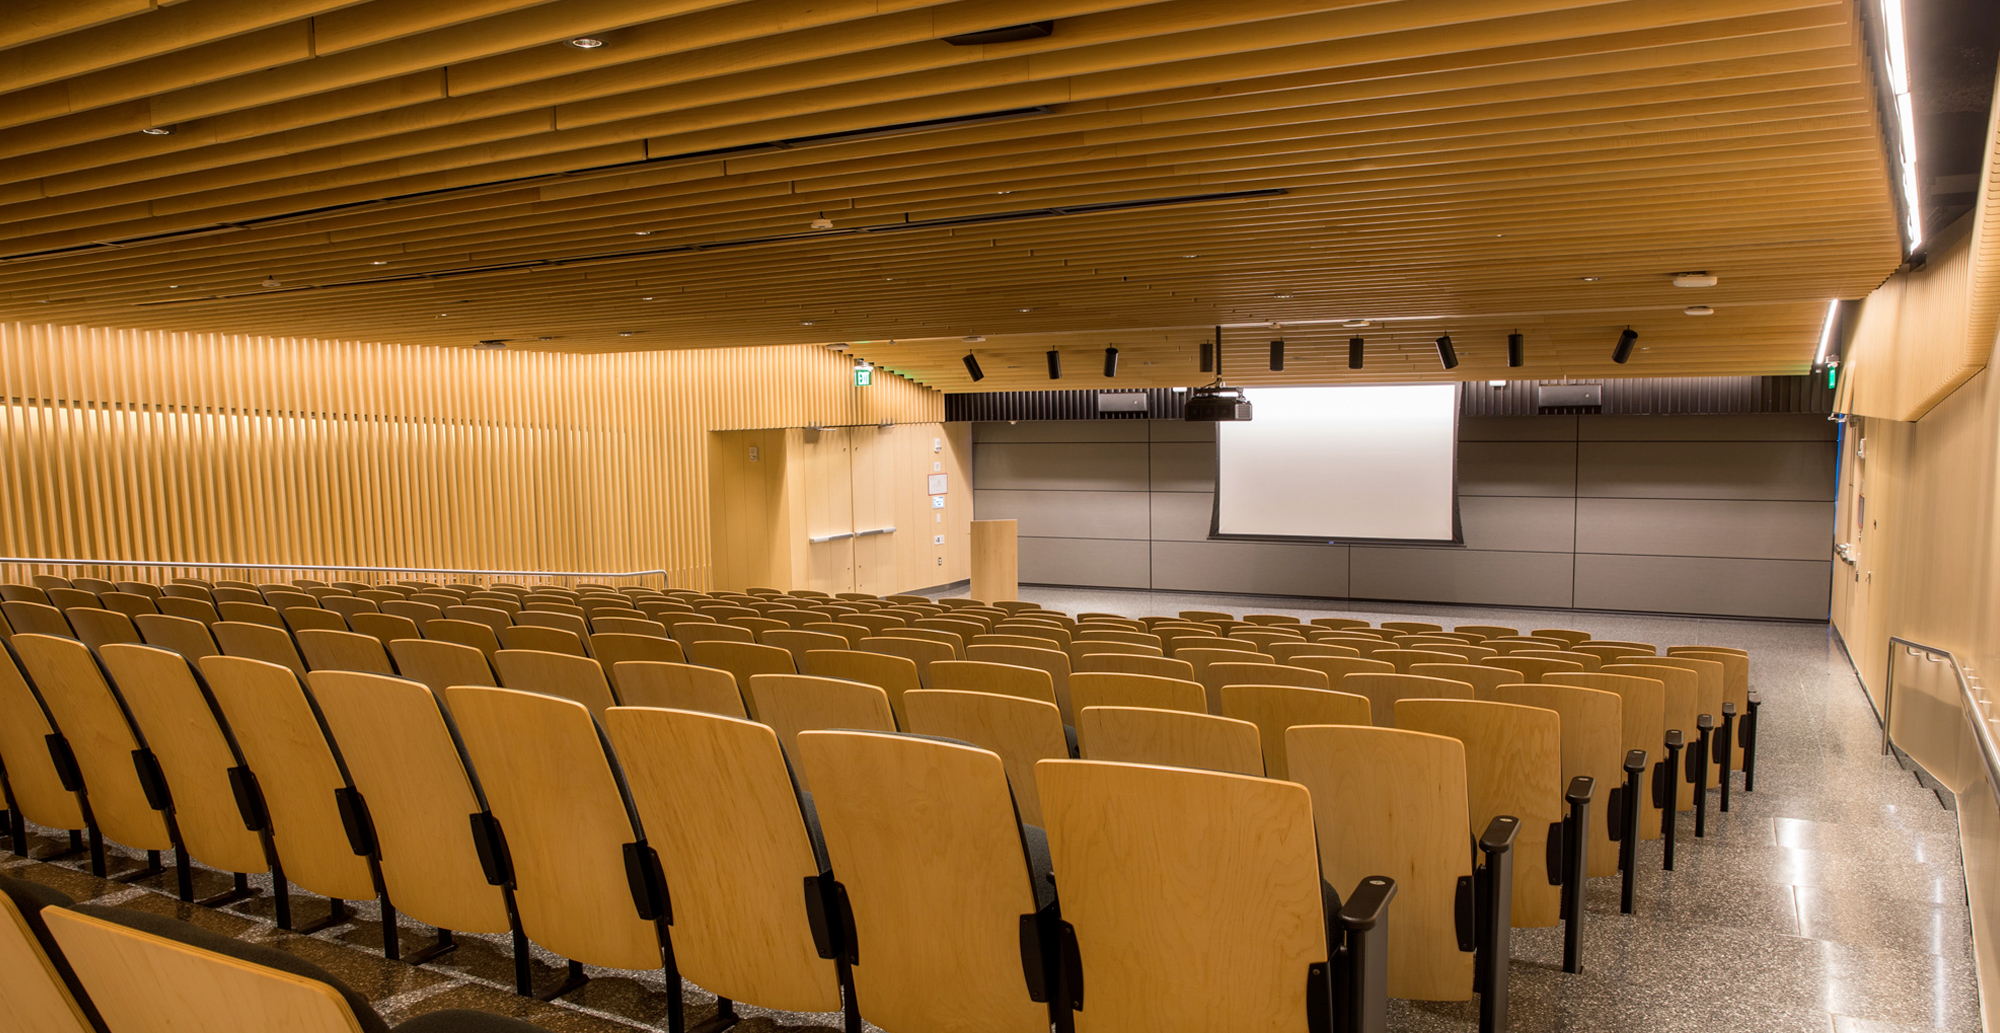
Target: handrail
{"type": "Point", "coordinates": [1975, 710]}
{"type": "Point", "coordinates": [195, 565]}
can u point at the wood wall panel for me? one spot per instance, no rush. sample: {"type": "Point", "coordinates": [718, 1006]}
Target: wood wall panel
{"type": "Point", "coordinates": [141, 445]}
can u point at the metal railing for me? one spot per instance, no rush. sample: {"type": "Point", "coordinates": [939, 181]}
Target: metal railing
{"type": "Point", "coordinates": [45, 561]}
{"type": "Point", "coordinates": [1971, 700]}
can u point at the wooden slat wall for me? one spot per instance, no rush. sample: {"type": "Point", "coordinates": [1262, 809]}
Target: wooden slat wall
{"type": "Point", "coordinates": [122, 444]}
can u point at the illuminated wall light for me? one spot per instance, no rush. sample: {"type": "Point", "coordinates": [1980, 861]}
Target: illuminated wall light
{"type": "Point", "coordinates": [972, 368]}
{"type": "Point", "coordinates": [1826, 332]}
{"type": "Point", "coordinates": [1897, 55]}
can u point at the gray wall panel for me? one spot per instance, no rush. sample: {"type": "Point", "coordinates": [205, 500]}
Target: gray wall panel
{"type": "Point", "coordinates": [1049, 466]}
{"type": "Point", "coordinates": [1096, 562]}
{"type": "Point", "coordinates": [1792, 470]}
{"type": "Point", "coordinates": [1687, 584]}
{"type": "Point", "coordinates": [1705, 527]}
{"type": "Point", "coordinates": [1181, 430]}
{"type": "Point", "coordinates": [1259, 567]}
{"type": "Point", "coordinates": [1182, 516]}
{"type": "Point", "coordinates": [1517, 468]}
{"type": "Point", "coordinates": [1462, 576]}
{"type": "Point", "coordinates": [1068, 514]}
{"type": "Point", "coordinates": [1517, 428]}
{"type": "Point", "coordinates": [1061, 430]}
{"type": "Point", "coordinates": [1183, 466]}
{"type": "Point", "coordinates": [1746, 427]}
{"type": "Point", "coordinates": [1518, 523]}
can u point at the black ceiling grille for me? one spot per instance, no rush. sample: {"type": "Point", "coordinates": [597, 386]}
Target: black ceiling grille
{"type": "Point", "coordinates": [1628, 396]}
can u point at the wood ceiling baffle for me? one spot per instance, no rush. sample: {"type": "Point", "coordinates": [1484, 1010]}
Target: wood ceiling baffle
{"type": "Point", "coordinates": [442, 174]}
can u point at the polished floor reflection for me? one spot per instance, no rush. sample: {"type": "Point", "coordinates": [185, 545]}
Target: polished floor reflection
{"type": "Point", "coordinates": [1832, 898]}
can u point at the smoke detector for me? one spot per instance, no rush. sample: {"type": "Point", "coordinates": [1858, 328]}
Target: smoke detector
{"type": "Point", "coordinates": [1694, 280]}
{"type": "Point", "coordinates": [974, 339]}
{"type": "Point", "coordinates": [490, 345]}
{"type": "Point", "coordinates": [270, 281]}
{"type": "Point", "coordinates": [822, 224]}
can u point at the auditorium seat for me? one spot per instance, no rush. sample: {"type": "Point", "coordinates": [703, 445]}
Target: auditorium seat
{"type": "Point", "coordinates": [1053, 661]}
{"type": "Point", "coordinates": [1102, 689]}
{"type": "Point", "coordinates": [570, 622]}
{"type": "Point", "coordinates": [31, 618]}
{"type": "Point", "coordinates": [96, 627]}
{"type": "Point", "coordinates": [1479, 676]}
{"type": "Point", "coordinates": [1384, 691]}
{"type": "Point", "coordinates": [303, 618]}
{"type": "Point", "coordinates": [265, 709]}
{"type": "Point", "coordinates": [272, 645]}
{"type": "Point", "coordinates": [191, 609]}
{"type": "Point", "coordinates": [562, 823]}
{"type": "Point", "coordinates": [1198, 894]}
{"type": "Point", "coordinates": [794, 703]}
{"type": "Point", "coordinates": [1643, 710]}
{"type": "Point", "coordinates": [1032, 683]}
{"type": "Point", "coordinates": [1589, 661]}
{"type": "Point", "coordinates": [343, 651]}
{"type": "Point", "coordinates": [440, 665]}
{"type": "Point", "coordinates": [917, 651]}
{"type": "Point", "coordinates": [577, 678]}
{"type": "Point", "coordinates": [544, 639]}
{"type": "Point", "coordinates": [39, 790]}
{"type": "Point", "coordinates": [37, 983]}
{"type": "Point", "coordinates": [917, 829]}
{"type": "Point", "coordinates": [1141, 735]}
{"type": "Point", "coordinates": [1276, 708]}
{"type": "Point", "coordinates": [173, 709]}
{"type": "Point", "coordinates": [735, 843]}
{"type": "Point", "coordinates": [950, 638]}
{"type": "Point", "coordinates": [119, 787]}
{"type": "Point", "coordinates": [476, 634]}
{"type": "Point", "coordinates": [1530, 668]}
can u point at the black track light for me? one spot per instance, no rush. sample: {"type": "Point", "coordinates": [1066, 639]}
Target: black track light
{"type": "Point", "coordinates": [1207, 357]}
{"type": "Point", "coordinates": [1624, 349]}
{"type": "Point", "coordinates": [1517, 349]}
{"type": "Point", "coordinates": [972, 367]}
{"type": "Point", "coordinates": [1277, 356]}
{"type": "Point", "coordinates": [1354, 353]}
{"type": "Point", "coordinates": [1055, 364]}
{"type": "Point", "coordinates": [1446, 353]}
{"type": "Point", "coordinates": [1110, 362]}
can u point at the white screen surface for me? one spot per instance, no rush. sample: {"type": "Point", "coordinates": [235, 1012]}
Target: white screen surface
{"type": "Point", "coordinates": [1341, 462]}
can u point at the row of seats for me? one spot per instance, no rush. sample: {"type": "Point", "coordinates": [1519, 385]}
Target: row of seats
{"type": "Point", "coordinates": [1219, 720]}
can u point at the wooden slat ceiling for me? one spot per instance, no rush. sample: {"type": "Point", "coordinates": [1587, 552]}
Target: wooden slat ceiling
{"type": "Point", "coordinates": [442, 174]}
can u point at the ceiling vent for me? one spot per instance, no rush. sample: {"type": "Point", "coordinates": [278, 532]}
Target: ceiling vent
{"type": "Point", "coordinates": [1010, 34]}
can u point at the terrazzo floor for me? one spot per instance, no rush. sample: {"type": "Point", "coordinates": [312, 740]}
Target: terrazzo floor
{"type": "Point", "coordinates": [1832, 898]}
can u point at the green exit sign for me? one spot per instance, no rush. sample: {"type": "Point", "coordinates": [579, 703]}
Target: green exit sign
{"type": "Point", "coordinates": [864, 375]}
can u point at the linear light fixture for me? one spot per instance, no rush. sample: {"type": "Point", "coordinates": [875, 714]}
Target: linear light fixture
{"type": "Point", "coordinates": [1826, 332]}
{"type": "Point", "coordinates": [1898, 60]}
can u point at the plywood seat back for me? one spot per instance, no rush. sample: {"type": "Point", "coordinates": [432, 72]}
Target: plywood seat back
{"type": "Point", "coordinates": [1466, 653]}
{"type": "Point", "coordinates": [875, 622]}
{"type": "Point", "coordinates": [547, 640]}
{"type": "Point", "coordinates": [1225, 674]}
{"type": "Point", "coordinates": [1158, 666]}
{"type": "Point", "coordinates": [716, 799]}
{"type": "Point", "coordinates": [688, 633]}
{"type": "Point", "coordinates": [894, 675]}
{"type": "Point", "coordinates": [1276, 708]}
{"type": "Point", "coordinates": [190, 609]}
{"type": "Point", "coordinates": [190, 638]}
{"type": "Point", "coordinates": [400, 753]}
{"type": "Point", "coordinates": [576, 678]}
{"type": "Point", "coordinates": [917, 829]}
{"type": "Point", "coordinates": [1032, 683]}
{"type": "Point", "coordinates": [1611, 654]}
{"type": "Point", "coordinates": [950, 638]}
{"type": "Point", "coordinates": [1643, 705]}
{"type": "Point", "coordinates": [348, 606]}
{"type": "Point", "coordinates": [1097, 689]}
{"type": "Point", "coordinates": [1399, 799]}
{"type": "Point", "coordinates": [1003, 639]}
{"type": "Point", "coordinates": [1338, 667]}
{"type": "Point", "coordinates": [570, 622]}
{"type": "Point", "coordinates": [82, 704]}
{"type": "Point", "coordinates": [1404, 658]}
{"type": "Point", "coordinates": [1593, 744]}
{"type": "Point", "coordinates": [1084, 647]}
{"type": "Point", "coordinates": [1486, 631]}
{"type": "Point", "coordinates": [1568, 636]}
{"type": "Point", "coordinates": [1735, 671]}
{"type": "Point", "coordinates": [344, 651]}
{"type": "Point", "coordinates": [1415, 627]}
{"type": "Point", "coordinates": [1019, 731]}
{"type": "Point", "coordinates": [1283, 652]}
{"type": "Point", "coordinates": [1531, 668]}
{"type": "Point", "coordinates": [794, 703]}
{"type": "Point", "coordinates": [555, 795]}
{"type": "Point", "coordinates": [97, 627]}
{"type": "Point", "coordinates": [14, 593]}
{"type": "Point", "coordinates": [917, 651]}
{"type": "Point", "coordinates": [172, 707]}
{"type": "Point", "coordinates": [272, 645]}
{"type": "Point", "coordinates": [678, 686]}
{"type": "Point", "coordinates": [28, 618]}
{"type": "Point", "coordinates": [440, 665]}
{"type": "Point", "coordinates": [39, 997]}
{"type": "Point", "coordinates": [266, 711]}
{"type": "Point", "coordinates": [1479, 676]}
{"type": "Point", "coordinates": [1588, 661]}
{"type": "Point", "coordinates": [303, 618]}
{"type": "Point", "coordinates": [417, 612]}
{"type": "Point", "coordinates": [1513, 763]}
{"type": "Point", "coordinates": [1712, 676]}
{"type": "Point", "coordinates": [1176, 738]}
{"type": "Point", "coordinates": [32, 778]}
{"type": "Point", "coordinates": [73, 599]}
{"type": "Point", "coordinates": [742, 659]}
{"type": "Point", "coordinates": [1383, 691]}
{"type": "Point", "coordinates": [1115, 633]}
{"type": "Point", "coordinates": [1191, 893]}
{"type": "Point", "coordinates": [1033, 629]}
{"type": "Point", "coordinates": [131, 604]}
{"type": "Point", "coordinates": [465, 633]}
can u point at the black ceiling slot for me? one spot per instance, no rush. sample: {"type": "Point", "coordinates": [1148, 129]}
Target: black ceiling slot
{"type": "Point", "coordinates": [1010, 34]}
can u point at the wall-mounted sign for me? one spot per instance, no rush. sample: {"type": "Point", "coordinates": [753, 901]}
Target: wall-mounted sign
{"type": "Point", "coordinates": [864, 374]}
{"type": "Point", "coordinates": [937, 483]}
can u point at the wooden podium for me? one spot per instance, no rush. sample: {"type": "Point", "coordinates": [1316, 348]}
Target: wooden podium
{"type": "Point", "coordinates": [996, 560]}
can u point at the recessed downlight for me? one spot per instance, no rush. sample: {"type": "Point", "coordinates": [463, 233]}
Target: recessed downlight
{"type": "Point", "coordinates": [378, 262]}
{"type": "Point", "coordinates": [1355, 324]}
{"type": "Point", "coordinates": [586, 42]}
{"type": "Point", "coordinates": [1590, 279]}
{"type": "Point", "coordinates": [159, 130]}
{"type": "Point", "coordinates": [1699, 310]}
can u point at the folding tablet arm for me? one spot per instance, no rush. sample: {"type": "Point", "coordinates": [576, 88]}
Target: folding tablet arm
{"type": "Point", "coordinates": [1485, 919]}
{"type": "Point", "coordinates": [1623, 816]}
{"type": "Point", "coordinates": [1568, 860]}
{"type": "Point", "coordinates": [1359, 974]}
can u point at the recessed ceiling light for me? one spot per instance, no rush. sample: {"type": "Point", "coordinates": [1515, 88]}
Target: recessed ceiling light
{"type": "Point", "coordinates": [627, 333]}
{"type": "Point", "coordinates": [805, 322]}
{"type": "Point", "coordinates": [1701, 279]}
{"type": "Point", "coordinates": [378, 263]}
{"type": "Point", "coordinates": [1355, 324]}
{"type": "Point", "coordinates": [1590, 279]}
{"type": "Point", "coordinates": [1190, 256]}
{"type": "Point", "coordinates": [648, 297]}
{"type": "Point", "coordinates": [1027, 310]}
{"type": "Point", "coordinates": [173, 286]}
{"type": "Point", "coordinates": [158, 130]}
{"type": "Point", "coordinates": [1003, 192]}
{"type": "Point", "coordinates": [1699, 310]}
{"type": "Point", "coordinates": [270, 281]}
{"type": "Point", "coordinates": [545, 338]}
{"type": "Point", "coordinates": [586, 42]}
{"type": "Point", "coordinates": [1285, 294]}
{"type": "Point", "coordinates": [642, 233]}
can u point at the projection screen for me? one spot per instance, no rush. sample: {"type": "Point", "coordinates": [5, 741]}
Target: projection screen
{"type": "Point", "coordinates": [1341, 463]}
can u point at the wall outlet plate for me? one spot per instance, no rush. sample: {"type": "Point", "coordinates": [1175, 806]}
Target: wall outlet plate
{"type": "Point", "coordinates": [937, 539]}
{"type": "Point", "coordinates": [937, 501]}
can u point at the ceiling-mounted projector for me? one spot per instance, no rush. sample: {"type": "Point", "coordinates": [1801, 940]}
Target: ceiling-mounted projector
{"type": "Point", "coordinates": [1217, 404]}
